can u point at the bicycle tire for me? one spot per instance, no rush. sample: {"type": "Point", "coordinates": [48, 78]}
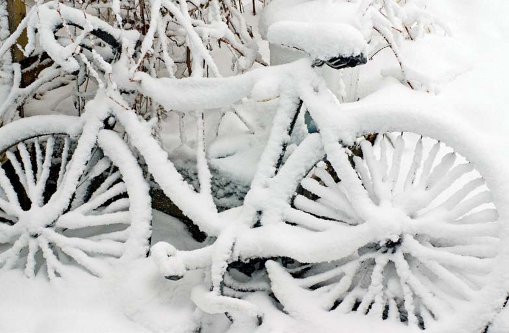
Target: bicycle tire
{"type": "Point", "coordinates": [440, 220]}
{"type": "Point", "coordinates": [107, 219]}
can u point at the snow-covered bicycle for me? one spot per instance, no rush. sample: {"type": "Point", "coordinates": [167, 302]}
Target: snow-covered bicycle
{"type": "Point", "coordinates": [386, 211]}
{"type": "Point", "coordinates": [369, 214]}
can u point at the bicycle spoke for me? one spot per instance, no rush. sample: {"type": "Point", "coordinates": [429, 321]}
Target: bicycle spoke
{"type": "Point", "coordinates": [38, 159]}
{"type": "Point", "coordinates": [441, 169]}
{"type": "Point", "coordinates": [375, 289]}
{"type": "Point", "coordinates": [18, 170]}
{"type": "Point", "coordinates": [105, 247]}
{"type": "Point", "coordinates": [408, 296]}
{"type": "Point", "coordinates": [365, 177]}
{"type": "Point", "coordinates": [99, 200]}
{"type": "Point", "coordinates": [108, 183]}
{"type": "Point", "coordinates": [63, 163]}
{"type": "Point", "coordinates": [336, 197]}
{"type": "Point", "coordinates": [116, 206]}
{"type": "Point", "coordinates": [28, 171]}
{"type": "Point", "coordinates": [483, 216]}
{"type": "Point", "coordinates": [53, 265]}
{"type": "Point", "coordinates": [76, 220]}
{"type": "Point", "coordinates": [375, 171]}
{"type": "Point", "coordinates": [462, 193]}
{"type": "Point", "coordinates": [416, 162]}
{"type": "Point", "coordinates": [30, 263]}
{"type": "Point", "coordinates": [308, 220]}
{"type": "Point", "coordinates": [397, 157]}
{"type": "Point", "coordinates": [10, 256]}
{"type": "Point", "coordinates": [44, 173]}
{"type": "Point", "coordinates": [318, 209]}
{"type": "Point", "coordinates": [8, 189]}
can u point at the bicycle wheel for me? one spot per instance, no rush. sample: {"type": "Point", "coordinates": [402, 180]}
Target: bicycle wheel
{"type": "Point", "coordinates": [106, 216]}
{"type": "Point", "coordinates": [434, 259]}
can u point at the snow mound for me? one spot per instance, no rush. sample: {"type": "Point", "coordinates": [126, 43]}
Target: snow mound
{"type": "Point", "coordinates": [436, 60]}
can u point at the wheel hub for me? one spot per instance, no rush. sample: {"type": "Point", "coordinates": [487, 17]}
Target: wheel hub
{"type": "Point", "coordinates": [391, 246]}
{"type": "Point", "coordinates": [34, 221]}
{"type": "Point", "coordinates": [390, 224]}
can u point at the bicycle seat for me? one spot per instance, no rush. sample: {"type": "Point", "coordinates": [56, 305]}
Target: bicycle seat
{"type": "Point", "coordinates": [337, 45]}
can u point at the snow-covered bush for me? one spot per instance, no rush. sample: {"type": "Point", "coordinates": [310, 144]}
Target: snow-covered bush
{"type": "Point", "coordinates": [73, 45]}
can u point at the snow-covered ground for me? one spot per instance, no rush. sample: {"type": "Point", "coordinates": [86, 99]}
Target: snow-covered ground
{"type": "Point", "coordinates": [472, 83]}
{"type": "Point", "coordinates": [133, 299]}
{"type": "Point", "coordinates": [137, 299]}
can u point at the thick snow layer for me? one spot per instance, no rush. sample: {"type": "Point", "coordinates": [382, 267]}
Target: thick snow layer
{"type": "Point", "coordinates": [321, 11]}
{"type": "Point", "coordinates": [134, 299]}
{"type": "Point", "coordinates": [236, 156]}
{"type": "Point", "coordinates": [58, 124]}
{"type": "Point", "coordinates": [45, 17]}
{"type": "Point", "coordinates": [320, 40]}
{"type": "Point", "coordinates": [436, 60]}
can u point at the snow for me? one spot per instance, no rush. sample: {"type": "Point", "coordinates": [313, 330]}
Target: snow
{"type": "Point", "coordinates": [238, 158]}
{"type": "Point", "coordinates": [444, 58]}
{"type": "Point", "coordinates": [139, 200]}
{"type": "Point", "coordinates": [322, 11]}
{"type": "Point", "coordinates": [465, 75]}
{"type": "Point", "coordinates": [46, 17]}
{"type": "Point", "coordinates": [133, 299]}
{"type": "Point", "coordinates": [199, 208]}
{"type": "Point", "coordinates": [334, 39]}
{"type": "Point", "coordinates": [215, 93]}
{"type": "Point", "coordinates": [59, 124]}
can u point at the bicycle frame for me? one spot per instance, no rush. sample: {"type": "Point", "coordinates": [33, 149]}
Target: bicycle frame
{"type": "Point", "coordinates": [200, 208]}
{"type": "Point", "coordinates": [195, 205]}
{"type": "Point", "coordinates": [239, 237]}
{"type": "Point", "coordinates": [306, 89]}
